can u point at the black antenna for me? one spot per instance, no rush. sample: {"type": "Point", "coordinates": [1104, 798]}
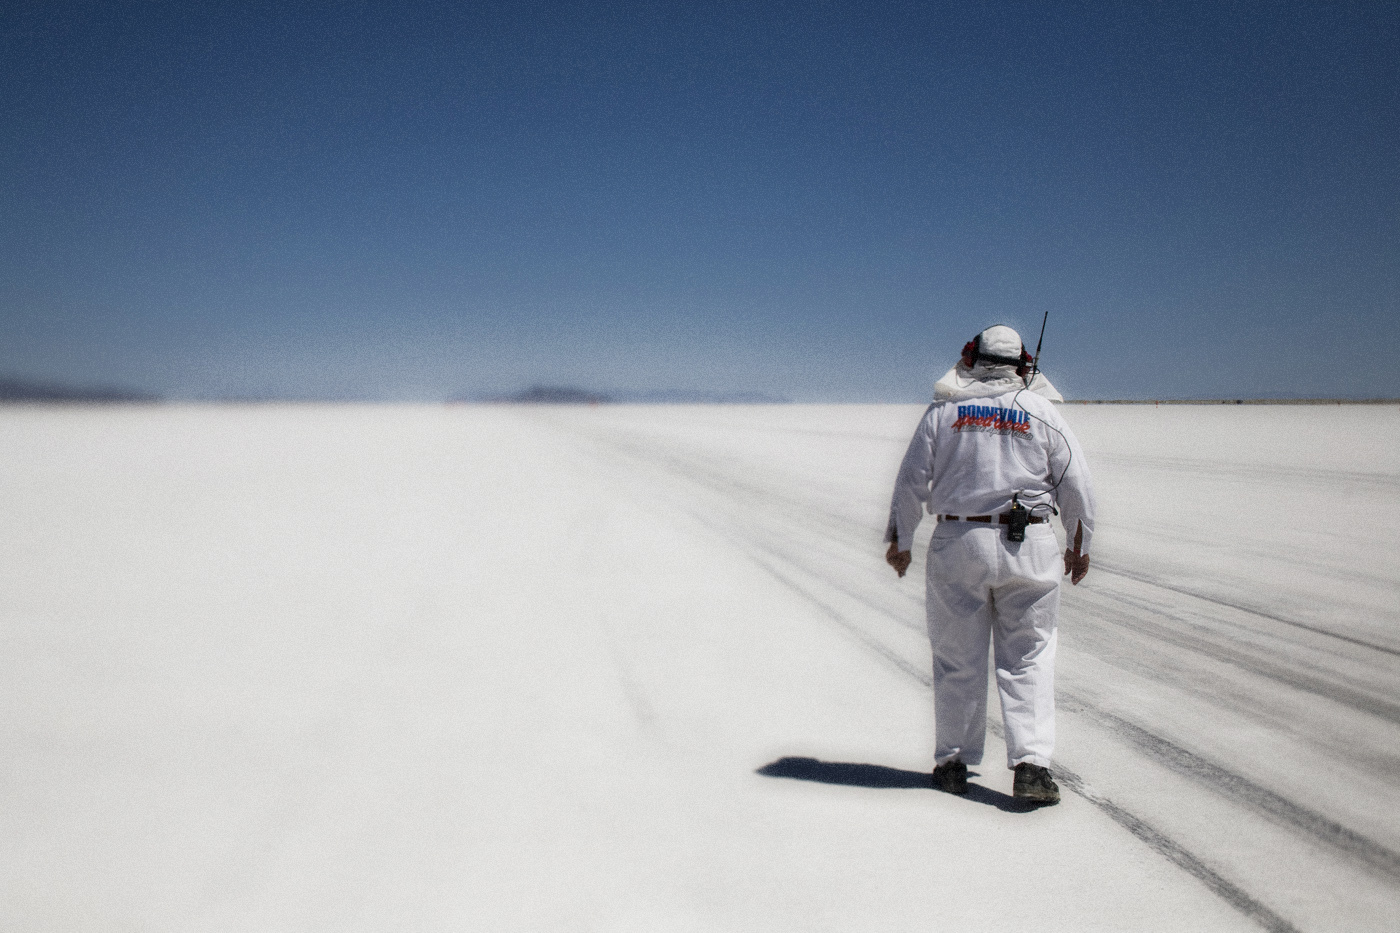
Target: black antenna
{"type": "Point", "coordinates": [1035, 364]}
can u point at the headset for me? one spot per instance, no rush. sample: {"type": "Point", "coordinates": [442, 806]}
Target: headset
{"type": "Point", "coordinates": [972, 352]}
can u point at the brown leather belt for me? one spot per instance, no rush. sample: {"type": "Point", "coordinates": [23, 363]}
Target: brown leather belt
{"type": "Point", "coordinates": [1002, 519]}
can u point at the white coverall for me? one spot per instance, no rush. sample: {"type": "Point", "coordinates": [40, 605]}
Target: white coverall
{"type": "Point", "coordinates": [968, 456]}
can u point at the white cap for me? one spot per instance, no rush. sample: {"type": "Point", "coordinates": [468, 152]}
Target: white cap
{"type": "Point", "coordinates": [1000, 340]}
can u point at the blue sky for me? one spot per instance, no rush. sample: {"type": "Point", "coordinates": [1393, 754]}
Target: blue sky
{"type": "Point", "coordinates": [818, 201]}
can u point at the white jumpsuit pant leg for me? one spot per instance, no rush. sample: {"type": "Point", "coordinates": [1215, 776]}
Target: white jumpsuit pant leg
{"type": "Point", "coordinates": [982, 588]}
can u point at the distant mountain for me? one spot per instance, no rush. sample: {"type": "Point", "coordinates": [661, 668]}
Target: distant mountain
{"type": "Point", "coordinates": [552, 395]}
{"type": "Point", "coordinates": [691, 397]}
{"type": "Point", "coordinates": [19, 390]}
{"type": "Point", "coordinates": [572, 395]}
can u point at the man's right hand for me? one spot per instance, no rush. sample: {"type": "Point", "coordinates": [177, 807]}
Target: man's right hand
{"type": "Point", "coordinates": [898, 559]}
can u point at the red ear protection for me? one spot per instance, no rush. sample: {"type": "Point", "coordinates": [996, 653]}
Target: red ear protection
{"type": "Point", "coordinates": [969, 351]}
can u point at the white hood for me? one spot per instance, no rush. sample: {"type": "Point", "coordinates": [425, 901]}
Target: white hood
{"type": "Point", "coordinates": [986, 379]}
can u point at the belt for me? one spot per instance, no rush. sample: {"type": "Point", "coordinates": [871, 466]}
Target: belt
{"type": "Point", "coordinates": [1002, 519]}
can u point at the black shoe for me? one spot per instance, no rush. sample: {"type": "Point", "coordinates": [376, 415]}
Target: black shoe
{"type": "Point", "coordinates": [1033, 784]}
{"type": "Point", "coordinates": [951, 777]}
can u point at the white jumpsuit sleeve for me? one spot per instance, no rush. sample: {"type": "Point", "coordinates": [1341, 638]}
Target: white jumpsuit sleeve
{"type": "Point", "coordinates": [911, 488]}
{"type": "Point", "coordinates": [1075, 494]}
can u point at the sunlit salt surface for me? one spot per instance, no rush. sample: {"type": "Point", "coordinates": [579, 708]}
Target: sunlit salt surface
{"type": "Point", "coordinates": [643, 668]}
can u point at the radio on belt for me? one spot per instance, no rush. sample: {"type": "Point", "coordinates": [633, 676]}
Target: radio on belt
{"type": "Point", "coordinates": [1017, 520]}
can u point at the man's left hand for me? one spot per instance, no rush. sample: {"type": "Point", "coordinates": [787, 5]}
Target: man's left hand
{"type": "Point", "coordinates": [898, 559]}
{"type": "Point", "coordinates": [1076, 565]}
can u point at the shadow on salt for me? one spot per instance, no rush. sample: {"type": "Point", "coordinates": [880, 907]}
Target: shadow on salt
{"type": "Point", "coordinates": [881, 777]}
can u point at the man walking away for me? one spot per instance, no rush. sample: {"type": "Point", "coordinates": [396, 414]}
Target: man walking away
{"type": "Point", "coordinates": [993, 460]}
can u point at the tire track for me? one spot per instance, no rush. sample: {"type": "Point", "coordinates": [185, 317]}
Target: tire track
{"type": "Point", "coordinates": [1279, 810]}
{"type": "Point", "coordinates": [1151, 580]}
{"type": "Point", "coordinates": [1251, 472]}
{"type": "Point", "coordinates": [1258, 664]}
{"type": "Point", "coordinates": [1182, 858]}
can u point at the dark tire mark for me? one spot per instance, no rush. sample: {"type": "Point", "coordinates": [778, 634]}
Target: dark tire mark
{"type": "Point", "coordinates": [1163, 845]}
{"type": "Point", "coordinates": [1251, 472]}
{"type": "Point", "coordinates": [1276, 809]}
{"type": "Point", "coordinates": [1259, 666]}
{"type": "Point", "coordinates": [1151, 580]}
